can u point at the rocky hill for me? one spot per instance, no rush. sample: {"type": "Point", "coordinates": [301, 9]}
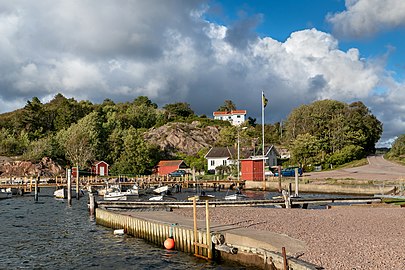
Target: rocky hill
{"type": "Point", "coordinates": [172, 138]}
{"type": "Point", "coordinates": [182, 137]}
{"type": "Point", "coordinates": [46, 167]}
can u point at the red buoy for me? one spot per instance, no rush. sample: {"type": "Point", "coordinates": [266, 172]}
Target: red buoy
{"type": "Point", "coordinates": [169, 243]}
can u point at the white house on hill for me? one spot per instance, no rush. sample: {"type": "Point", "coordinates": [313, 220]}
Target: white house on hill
{"type": "Point", "coordinates": [236, 117]}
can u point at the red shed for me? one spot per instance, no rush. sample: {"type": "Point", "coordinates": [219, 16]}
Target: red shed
{"type": "Point", "coordinates": [100, 168]}
{"type": "Point", "coordinates": [167, 166]}
{"type": "Point", "coordinates": [252, 169]}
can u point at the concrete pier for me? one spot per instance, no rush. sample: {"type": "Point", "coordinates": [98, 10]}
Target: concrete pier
{"type": "Point", "coordinates": [254, 248]}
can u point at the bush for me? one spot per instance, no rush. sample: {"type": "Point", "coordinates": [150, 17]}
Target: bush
{"type": "Point", "coordinates": [347, 154]}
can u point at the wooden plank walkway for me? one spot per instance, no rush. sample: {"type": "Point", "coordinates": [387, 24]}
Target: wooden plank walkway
{"type": "Point", "coordinates": [220, 203]}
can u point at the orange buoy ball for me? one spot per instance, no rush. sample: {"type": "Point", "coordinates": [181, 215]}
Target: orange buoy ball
{"type": "Point", "coordinates": [169, 243]}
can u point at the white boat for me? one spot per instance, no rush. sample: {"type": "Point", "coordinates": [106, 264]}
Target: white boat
{"type": "Point", "coordinates": [60, 193]}
{"type": "Point", "coordinates": [163, 197]}
{"type": "Point", "coordinates": [161, 189]}
{"type": "Point", "coordinates": [236, 196]}
{"type": "Point", "coordinates": [119, 195]}
{"type": "Point", "coordinates": [6, 193]}
{"type": "Point", "coordinates": [156, 198]}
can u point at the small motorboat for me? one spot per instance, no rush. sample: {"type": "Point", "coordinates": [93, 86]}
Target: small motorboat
{"type": "Point", "coordinates": [119, 195]}
{"type": "Point", "coordinates": [162, 189]}
{"type": "Point", "coordinates": [62, 193]}
{"type": "Point", "coordinates": [236, 196]}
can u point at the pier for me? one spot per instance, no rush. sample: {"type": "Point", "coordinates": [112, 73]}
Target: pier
{"type": "Point", "coordinates": [230, 242]}
{"type": "Point", "coordinates": [221, 203]}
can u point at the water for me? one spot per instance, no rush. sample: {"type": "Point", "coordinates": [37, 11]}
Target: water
{"type": "Point", "coordinates": [49, 234]}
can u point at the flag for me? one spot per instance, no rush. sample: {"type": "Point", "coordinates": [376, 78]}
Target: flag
{"type": "Point", "coordinates": [264, 100]}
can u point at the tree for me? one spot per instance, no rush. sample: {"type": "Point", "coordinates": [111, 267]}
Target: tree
{"type": "Point", "coordinates": [335, 125]}
{"type": "Point", "coordinates": [304, 149]}
{"type": "Point", "coordinates": [398, 148]}
{"type": "Point", "coordinates": [33, 118]}
{"type": "Point", "coordinates": [81, 141]}
{"type": "Point", "coordinates": [135, 156]}
{"type": "Point", "coordinates": [179, 109]}
{"type": "Point", "coordinates": [227, 106]}
{"type": "Point", "coordinates": [144, 100]}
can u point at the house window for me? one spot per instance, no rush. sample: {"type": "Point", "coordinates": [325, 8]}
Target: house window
{"type": "Point", "coordinates": [224, 162]}
{"type": "Point", "coordinates": [212, 162]}
{"type": "Point", "coordinates": [238, 116]}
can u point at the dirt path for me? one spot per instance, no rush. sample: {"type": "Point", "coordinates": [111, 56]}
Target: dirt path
{"type": "Point", "coordinates": [377, 169]}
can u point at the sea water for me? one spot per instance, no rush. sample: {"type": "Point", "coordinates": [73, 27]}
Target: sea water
{"type": "Point", "coordinates": [50, 234]}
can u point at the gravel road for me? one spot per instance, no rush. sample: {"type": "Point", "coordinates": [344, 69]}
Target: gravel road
{"type": "Point", "coordinates": [377, 169]}
{"type": "Point", "coordinates": [337, 238]}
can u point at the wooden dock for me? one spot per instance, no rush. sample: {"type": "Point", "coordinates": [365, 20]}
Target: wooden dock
{"type": "Point", "coordinates": [219, 203]}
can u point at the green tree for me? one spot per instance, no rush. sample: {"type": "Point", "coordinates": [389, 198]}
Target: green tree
{"type": "Point", "coordinates": [304, 149]}
{"type": "Point", "coordinates": [227, 106]}
{"type": "Point", "coordinates": [81, 141]}
{"type": "Point", "coordinates": [179, 109]}
{"type": "Point", "coordinates": [398, 148]}
{"type": "Point", "coordinates": [135, 156]}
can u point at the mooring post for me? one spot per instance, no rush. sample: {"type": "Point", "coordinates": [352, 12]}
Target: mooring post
{"type": "Point", "coordinates": [195, 224]}
{"type": "Point", "coordinates": [207, 224]}
{"type": "Point", "coordinates": [296, 183]}
{"type": "Point", "coordinates": [279, 179]}
{"type": "Point", "coordinates": [77, 183]}
{"type": "Point", "coordinates": [36, 189]}
{"type": "Point", "coordinates": [69, 186]}
{"type": "Point", "coordinates": [92, 204]}
{"type": "Point", "coordinates": [285, 262]}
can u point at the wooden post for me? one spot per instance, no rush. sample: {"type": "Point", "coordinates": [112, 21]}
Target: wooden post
{"type": "Point", "coordinates": [92, 204]}
{"type": "Point", "coordinates": [207, 224]}
{"type": "Point", "coordinates": [296, 183]}
{"type": "Point", "coordinates": [69, 186]}
{"type": "Point", "coordinates": [77, 183]}
{"type": "Point", "coordinates": [195, 224]}
{"type": "Point", "coordinates": [285, 263]}
{"type": "Point", "coordinates": [36, 189]}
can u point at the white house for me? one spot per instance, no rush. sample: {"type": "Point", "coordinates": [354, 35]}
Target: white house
{"type": "Point", "coordinates": [236, 117]}
{"type": "Point", "coordinates": [271, 155]}
{"type": "Point", "coordinates": [218, 156]}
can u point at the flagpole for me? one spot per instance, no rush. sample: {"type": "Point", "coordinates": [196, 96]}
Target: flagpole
{"type": "Point", "coordinates": [264, 175]}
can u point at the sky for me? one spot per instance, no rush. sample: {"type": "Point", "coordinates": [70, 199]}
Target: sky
{"type": "Point", "coordinates": [204, 52]}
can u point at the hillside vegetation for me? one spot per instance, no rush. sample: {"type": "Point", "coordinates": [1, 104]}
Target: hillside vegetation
{"type": "Point", "coordinates": [133, 136]}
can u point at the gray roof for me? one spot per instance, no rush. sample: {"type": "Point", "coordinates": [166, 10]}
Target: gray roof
{"type": "Point", "coordinates": [227, 152]}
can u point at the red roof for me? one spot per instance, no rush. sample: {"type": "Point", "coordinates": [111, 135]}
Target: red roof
{"type": "Point", "coordinates": [230, 113]}
{"type": "Point", "coordinates": [169, 163]}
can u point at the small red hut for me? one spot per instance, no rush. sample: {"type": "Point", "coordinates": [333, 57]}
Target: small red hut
{"type": "Point", "coordinates": [252, 169]}
{"type": "Point", "coordinates": [99, 168]}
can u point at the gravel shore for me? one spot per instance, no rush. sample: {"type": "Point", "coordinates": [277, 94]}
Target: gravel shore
{"type": "Point", "coordinates": [337, 238]}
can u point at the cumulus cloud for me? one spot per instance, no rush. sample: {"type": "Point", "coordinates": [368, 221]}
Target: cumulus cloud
{"type": "Point", "coordinates": [367, 17]}
{"type": "Point", "coordinates": [171, 53]}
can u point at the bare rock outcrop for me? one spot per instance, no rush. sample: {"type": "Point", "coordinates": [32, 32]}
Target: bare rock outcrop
{"type": "Point", "coordinates": [182, 137]}
{"type": "Point", "coordinates": [46, 167]}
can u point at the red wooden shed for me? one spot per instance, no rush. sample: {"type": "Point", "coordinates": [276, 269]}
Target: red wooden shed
{"type": "Point", "coordinates": [167, 166]}
{"type": "Point", "coordinates": [252, 169]}
{"type": "Point", "coordinates": [100, 168]}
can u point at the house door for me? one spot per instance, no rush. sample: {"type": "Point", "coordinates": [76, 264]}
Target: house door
{"type": "Point", "coordinates": [102, 172]}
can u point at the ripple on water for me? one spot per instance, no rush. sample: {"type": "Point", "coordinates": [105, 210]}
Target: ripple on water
{"type": "Point", "coordinates": [52, 235]}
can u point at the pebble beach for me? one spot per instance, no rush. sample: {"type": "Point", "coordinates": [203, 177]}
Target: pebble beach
{"type": "Point", "coordinates": [337, 238]}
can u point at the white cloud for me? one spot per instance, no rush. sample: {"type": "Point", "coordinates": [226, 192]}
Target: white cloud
{"type": "Point", "coordinates": [367, 17]}
{"type": "Point", "coordinates": [122, 51]}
